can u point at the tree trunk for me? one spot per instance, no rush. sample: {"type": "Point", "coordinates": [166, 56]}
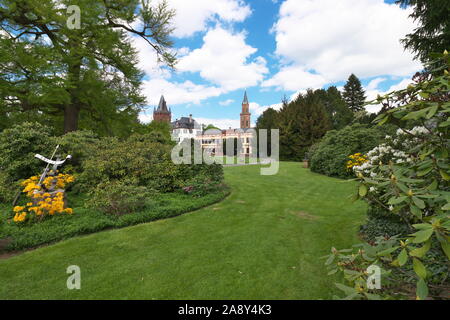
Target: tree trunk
{"type": "Point", "coordinates": [72, 109]}
{"type": "Point", "coordinates": [71, 113]}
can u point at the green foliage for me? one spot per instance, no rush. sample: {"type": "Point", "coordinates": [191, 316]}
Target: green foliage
{"type": "Point", "coordinates": [160, 130]}
{"type": "Point", "coordinates": [382, 223]}
{"type": "Point", "coordinates": [80, 145]}
{"type": "Point", "coordinates": [433, 32]}
{"type": "Point", "coordinates": [210, 127]}
{"type": "Point", "coordinates": [8, 189]}
{"type": "Point", "coordinates": [119, 197]}
{"type": "Point", "coordinates": [79, 78]}
{"type": "Point", "coordinates": [18, 145]}
{"type": "Point", "coordinates": [87, 221]}
{"type": "Point", "coordinates": [204, 183]}
{"type": "Point", "coordinates": [139, 157]}
{"type": "Point", "coordinates": [145, 159]}
{"type": "Point", "coordinates": [337, 110]}
{"type": "Point", "coordinates": [413, 183]}
{"type": "Point", "coordinates": [354, 94]}
{"type": "Point", "coordinates": [302, 123]}
{"type": "Point", "coordinates": [330, 155]}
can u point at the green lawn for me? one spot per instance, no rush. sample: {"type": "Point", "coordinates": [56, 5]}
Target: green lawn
{"type": "Point", "coordinates": [262, 242]}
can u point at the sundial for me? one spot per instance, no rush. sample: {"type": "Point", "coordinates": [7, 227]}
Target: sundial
{"type": "Point", "coordinates": [50, 162]}
{"type": "Point", "coordinates": [55, 163]}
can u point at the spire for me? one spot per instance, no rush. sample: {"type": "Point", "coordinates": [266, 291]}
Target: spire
{"type": "Point", "coordinates": [162, 107]}
{"type": "Point", "coordinates": [245, 98]}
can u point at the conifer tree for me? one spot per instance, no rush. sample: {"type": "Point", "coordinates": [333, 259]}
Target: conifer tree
{"type": "Point", "coordinates": [354, 94]}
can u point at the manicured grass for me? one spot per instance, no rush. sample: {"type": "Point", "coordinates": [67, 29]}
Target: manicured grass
{"type": "Point", "coordinates": [262, 242]}
{"type": "Point", "coordinates": [86, 221]}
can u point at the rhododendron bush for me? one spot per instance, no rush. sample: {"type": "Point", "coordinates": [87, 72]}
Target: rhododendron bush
{"type": "Point", "coordinates": [408, 176]}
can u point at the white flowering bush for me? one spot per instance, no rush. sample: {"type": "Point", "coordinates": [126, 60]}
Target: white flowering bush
{"type": "Point", "coordinates": [408, 177]}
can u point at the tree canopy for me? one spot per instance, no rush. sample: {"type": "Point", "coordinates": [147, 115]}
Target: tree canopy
{"type": "Point", "coordinates": [75, 77]}
{"type": "Point", "coordinates": [354, 94]}
{"type": "Point", "coordinates": [433, 33]}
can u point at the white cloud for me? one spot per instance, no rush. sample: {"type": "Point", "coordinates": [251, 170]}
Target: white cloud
{"type": "Point", "coordinates": [224, 60]}
{"type": "Point", "coordinates": [146, 116]}
{"type": "Point", "coordinates": [374, 83]}
{"type": "Point", "coordinates": [338, 37]}
{"type": "Point", "coordinates": [257, 109]}
{"type": "Point", "coordinates": [177, 92]}
{"type": "Point", "coordinates": [193, 16]}
{"type": "Point", "coordinates": [294, 78]}
{"type": "Point", "coordinates": [226, 102]}
{"type": "Point", "coordinates": [372, 92]}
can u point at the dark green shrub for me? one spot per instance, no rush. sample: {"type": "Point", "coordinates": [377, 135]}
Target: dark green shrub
{"type": "Point", "coordinates": [19, 144]}
{"type": "Point", "coordinates": [383, 223]}
{"type": "Point", "coordinates": [203, 183]}
{"type": "Point", "coordinates": [143, 158]}
{"type": "Point", "coordinates": [331, 154]}
{"type": "Point", "coordinates": [8, 190]}
{"type": "Point", "coordinates": [79, 144]}
{"type": "Point", "coordinates": [119, 197]}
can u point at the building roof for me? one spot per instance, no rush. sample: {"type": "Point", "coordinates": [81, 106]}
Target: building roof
{"type": "Point", "coordinates": [245, 98]}
{"type": "Point", "coordinates": [185, 123]}
{"type": "Point", "coordinates": [162, 106]}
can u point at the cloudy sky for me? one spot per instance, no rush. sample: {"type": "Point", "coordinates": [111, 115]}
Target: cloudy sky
{"type": "Point", "coordinates": [272, 49]}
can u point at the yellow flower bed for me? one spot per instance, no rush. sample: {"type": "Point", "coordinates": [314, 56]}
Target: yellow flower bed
{"type": "Point", "coordinates": [356, 160]}
{"type": "Point", "coordinates": [44, 203]}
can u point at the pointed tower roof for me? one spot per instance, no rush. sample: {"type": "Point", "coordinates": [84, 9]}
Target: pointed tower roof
{"type": "Point", "coordinates": [245, 98]}
{"type": "Point", "coordinates": [162, 106]}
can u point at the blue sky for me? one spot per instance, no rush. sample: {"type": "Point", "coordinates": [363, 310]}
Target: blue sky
{"type": "Point", "coordinates": [274, 49]}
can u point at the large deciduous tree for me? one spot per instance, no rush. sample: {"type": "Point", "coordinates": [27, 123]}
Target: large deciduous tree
{"type": "Point", "coordinates": [354, 94]}
{"type": "Point", "coordinates": [87, 74]}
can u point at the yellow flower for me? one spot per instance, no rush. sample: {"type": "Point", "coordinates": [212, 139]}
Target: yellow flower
{"type": "Point", "coordinates": [18, 209]}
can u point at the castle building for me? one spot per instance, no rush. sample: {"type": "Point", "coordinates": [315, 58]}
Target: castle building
{"type": "Point", "coordinates": [162, 114]}
{"type": "Point", "coordinates": [211, 140]}
{"type": "Point", "coordinates": [185, 128]}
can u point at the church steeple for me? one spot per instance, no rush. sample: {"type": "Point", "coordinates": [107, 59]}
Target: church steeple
{"type": "Point", "coordinates": [162, 113]}
{"type": "Point", "coordinates": [245, 98]}
{"type": "Point", "coordinates": [245, 115]}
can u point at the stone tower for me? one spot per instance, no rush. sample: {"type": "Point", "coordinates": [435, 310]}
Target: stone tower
{"type": "Point", "coordinates": [245, 115]}
{"type": "Point", "coordinates": [162, 114]}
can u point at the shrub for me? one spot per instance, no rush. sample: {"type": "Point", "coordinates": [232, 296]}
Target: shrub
{"type": "Point", "coordinates": [202, 184]}
{"type": "Point", "coordinates": [79, 144]}
{"type": "Point", "coordinates": [7, 189]}
{"type": "Point", "coordinates": [331, 154]}
{"type": "Point", "coordinates": [413, 185]}
{"type": "Point", "coordinates": [119, 197]}
{"type": "Point", "coordinates": [19, 144]}
{"type": "Point", "coordinates": [382, 223]}
{"type": "Point", "coordinates": [145, 160]}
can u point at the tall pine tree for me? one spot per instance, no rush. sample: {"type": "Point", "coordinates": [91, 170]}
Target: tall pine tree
{"type": "Point", "coordinates": [354, 94]}
{"type": "Point", "coordinates": [433, 31]}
